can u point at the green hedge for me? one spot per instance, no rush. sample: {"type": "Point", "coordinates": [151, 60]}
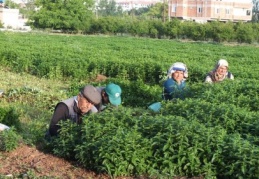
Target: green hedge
{"type": "Point", "coordinates": [213, 133]}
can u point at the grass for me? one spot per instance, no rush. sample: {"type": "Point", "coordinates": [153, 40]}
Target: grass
{"type": "Point", "coordinates": [33, 99]}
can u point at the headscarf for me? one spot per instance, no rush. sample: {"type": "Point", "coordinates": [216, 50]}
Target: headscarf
{"type": "Point", "coordinates": [221, 62]}
{"type": "Point", "coordinates": [178, 66]}
{"type": "Point", "coordinates": [213, 73]}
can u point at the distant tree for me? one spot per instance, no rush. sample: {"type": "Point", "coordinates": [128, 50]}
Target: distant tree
{"type": "Point", "coordinates": [66, 15]}
{"type": "Point", "coordinates": [10, 4]}
{"type": "Point", "coordinates": [140, 11]}
{"type": "Point", "coordinates": [119, 10]}
{"type": "Point", "coordinates": [159, 10]}
{"type": "Point", "coordinates": [255, 16]}
{"type": "Point", "coordinates": [108, 8]}
{"type": "Point", "coordinates": [28, 9]}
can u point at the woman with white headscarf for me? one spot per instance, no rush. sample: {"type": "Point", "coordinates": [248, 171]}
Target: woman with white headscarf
{"type": "Point", "coordinates": [219, 73]}
{"type": "Point", "coordinates": [175, 84]}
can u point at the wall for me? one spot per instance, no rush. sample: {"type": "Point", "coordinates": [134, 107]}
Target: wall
{"type": "Point", "coordinates": [11, 18]}
{"type": "Point", "coordinates": [211, 10]}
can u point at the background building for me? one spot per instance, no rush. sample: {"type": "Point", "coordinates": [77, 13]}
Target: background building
{"type": "Point", "coordinates": [211, 10]}
{"type": "Point", "coordinates": [127, 5]}
{"type": "Point", "coordinates": [12, 19]}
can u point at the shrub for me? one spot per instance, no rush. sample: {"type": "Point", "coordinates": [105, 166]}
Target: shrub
{"type": "Point", "coordinates": [9, 117]}
{"type": "Point", "coordinates": [9, 140]}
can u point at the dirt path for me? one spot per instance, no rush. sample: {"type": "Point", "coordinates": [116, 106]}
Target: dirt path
{"type": "Point", "coordinates": [30, 162]}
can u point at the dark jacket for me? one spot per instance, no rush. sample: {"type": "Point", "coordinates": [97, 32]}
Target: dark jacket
{"type": "Point", "coordinates": [173, 90]}
{"type": "Point", "coordinates": [64, 110]}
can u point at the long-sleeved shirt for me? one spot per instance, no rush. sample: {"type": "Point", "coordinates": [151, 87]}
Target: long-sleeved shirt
{"type": "Point", "coordinates": [172, 89]}
{"type": "Point", "coordinates": [64, 110]}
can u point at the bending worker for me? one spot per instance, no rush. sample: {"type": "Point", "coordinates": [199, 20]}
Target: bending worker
{"type": "Point", "coordinates": [74, 108]}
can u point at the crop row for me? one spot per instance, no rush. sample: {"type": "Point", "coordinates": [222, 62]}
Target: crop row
{"type": "Point", "coordinates": [81, 57]}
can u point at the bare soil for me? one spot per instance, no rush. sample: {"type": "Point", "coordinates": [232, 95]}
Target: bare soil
{"type": "Point", "coordinates": [31, 162]}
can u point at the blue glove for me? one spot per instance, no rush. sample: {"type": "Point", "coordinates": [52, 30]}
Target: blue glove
{"type": "Point", "coordinates": [155, 107]}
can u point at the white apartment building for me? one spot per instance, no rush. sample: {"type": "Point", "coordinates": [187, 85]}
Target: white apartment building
{"type": "Point", "coordinates": [11, 18]}
{"type": "Point", "coordinates": [135, 4]}
{"type": "Point", "coordinates": [211, 10]}
{"type": "Point", "coordinates": [132, 4]}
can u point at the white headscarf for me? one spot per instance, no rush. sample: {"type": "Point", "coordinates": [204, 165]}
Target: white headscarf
{"type": "Point", "coordinates": [221, 62]}
{"type": "Point", "coordinates": [178, 66]}
{"type": "Point", "coordinates": [214, 74]}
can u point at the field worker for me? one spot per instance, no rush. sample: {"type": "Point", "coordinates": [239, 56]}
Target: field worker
{"type": "Point", "coordinates": [74, 108]}
{"type": "Point", "coordinates": [111, 94]}
{"type": "Point", "coordinates": [175, 85]}
{"type": "Point", "coordinates": [219, 73]}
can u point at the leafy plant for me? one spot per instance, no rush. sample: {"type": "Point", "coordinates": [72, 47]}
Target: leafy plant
{"type": "Point", "coordinates": [9, 117]}
{"type": "Point", "coordinates": [9, 140]}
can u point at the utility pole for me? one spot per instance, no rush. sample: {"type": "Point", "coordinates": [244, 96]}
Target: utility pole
{"type": "Point", "coordinates": [132, 10]}
{"type": "Point", "coordinates": [164, 12]}
{"type": "Point", "coordinates": [169, 10]}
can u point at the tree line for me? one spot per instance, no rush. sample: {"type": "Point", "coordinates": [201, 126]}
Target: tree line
{"type": "Point", "coordinates": [105, 17]}
{"type": "Point", "coordinates": [176, 29]}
